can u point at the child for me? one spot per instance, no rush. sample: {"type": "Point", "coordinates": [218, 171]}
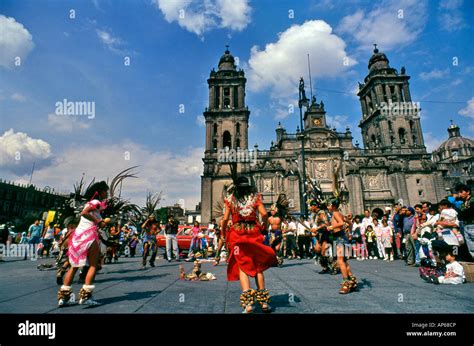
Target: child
{"type": "Point", "coordinates": [371, 239]}
{"type": "Point", "coordinates": [387, 240]}
{"type": "Point", "coordinates": [84, 248]}
{"type": "Point", "coordinates": [454, 272]}
{"type": "Point", "coordinates": [378, 235]}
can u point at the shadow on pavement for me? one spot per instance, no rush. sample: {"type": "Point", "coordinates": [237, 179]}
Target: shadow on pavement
{"type": "Point", "coordinates": [126, 296]}
{"type": "Point", "coordinates": [133, 278]}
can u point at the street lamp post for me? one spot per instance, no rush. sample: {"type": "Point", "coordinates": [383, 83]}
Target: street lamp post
{"type": "Point", "coordinates": [302, 100]}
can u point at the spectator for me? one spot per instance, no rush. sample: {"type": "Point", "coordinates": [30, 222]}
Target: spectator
{"type": "Point", "coordinates": [171, 230]}
{"type": "Point", "coordinates": [408, 225]}
{"type": "Point", "coordinates": [48, 237]}
{"type": "Point", "coordinates": [291, 239]}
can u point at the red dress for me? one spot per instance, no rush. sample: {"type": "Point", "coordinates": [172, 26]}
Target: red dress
{"type": "Point", "coordinates": [245, 240]}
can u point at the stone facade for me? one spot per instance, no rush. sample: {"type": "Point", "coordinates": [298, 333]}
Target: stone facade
{"type": "Point", "coordinates": [394, 165]}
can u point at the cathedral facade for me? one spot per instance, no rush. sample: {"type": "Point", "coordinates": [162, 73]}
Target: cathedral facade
{"type": "Point", "coordinates": [392, 167]}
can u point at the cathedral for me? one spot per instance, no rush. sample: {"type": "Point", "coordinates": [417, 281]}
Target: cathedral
{"type": "Point", "coordinates": [393, 166]}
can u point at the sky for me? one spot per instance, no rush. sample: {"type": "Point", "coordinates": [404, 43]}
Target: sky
{"type": "Point", "coordinates": [142, 67]}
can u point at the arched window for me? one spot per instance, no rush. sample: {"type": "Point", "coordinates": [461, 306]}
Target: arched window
{"type": "Point", "coordinates": [226, 140]}
{"type": "Point", "coordinates": [237, 128]}
{"type": "Point", "coordinates": [214, 144]}
{"type": "Point", "coordinates": [415, 142]}
{"type": "Point", "coordinates": [215, 129]}
{"type": "Point", "coordinates": [402, 135]}
{"type": "Point", "coordinates": [237, 143]}
{"type": "Point", "coordinates": [374, 141]}
{"type": "Point", "coordinates": [227, 103]}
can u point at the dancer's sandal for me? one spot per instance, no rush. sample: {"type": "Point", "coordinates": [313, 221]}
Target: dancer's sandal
{"type": "Point", "coordinates": [354, 282]}
{"type": "Point", "coordinates": [346, 287]}
{"type": "Point", "coordinates": [217, 259]}
{"type": "Point", "coordinates": [263, 298]}
{"type": "Point", "coordinates": [247, 300]}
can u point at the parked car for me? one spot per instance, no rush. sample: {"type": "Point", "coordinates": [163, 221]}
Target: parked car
{"type": "Point", "coordinates": [184, 237]}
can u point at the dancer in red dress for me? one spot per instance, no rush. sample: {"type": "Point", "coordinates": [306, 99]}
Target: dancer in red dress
{"type": "Point", "coordinates": [248, 256]}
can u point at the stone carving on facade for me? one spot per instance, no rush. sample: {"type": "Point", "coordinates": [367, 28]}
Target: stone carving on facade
{"type": "Point", "coordinates": [321, 170]}
{"type": "Point", "coordinates": [268, 164]}
{"type": "Point", "coordinates": [319, 143]}
{"type": "Point", "coordinates": [372, 182]}
{"type": "Point", "coordinates": [267, 185]}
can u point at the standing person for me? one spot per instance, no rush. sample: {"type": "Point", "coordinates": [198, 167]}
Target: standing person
{"type": "Point", "coordinates": [4, 235]}
{"type": "Point", "coordinates": [211, 233]}
{"type": "Point", "coordinates": [84, 245]}
{"type": "Point", "coordinates": [62, 261]}
{"type": "Point", "coordinates": [276, 229]}
{"type": "Point", "coordinates": [371, 239]}
{"type": "Point", "coordinates": [408, 225]}
{"type": "Point", "coordinates": [150, 226]}
{"type": "Point", "coordinates": [366, 221]}
{"type": "Point", "coordinates": [323, 247]}
{"type": "Point", "coordinates": [397, 222]}
{"type": "Point", "coordinates": [378, 235]}
{"type": "Point", "coordinates": [387, 240]}
{"type": "Point", "coordinates": [466, 215]}
{"type": "Point", "coordinates": [195, 241]}
{"type": "Point", "coordinates": [349, 281]}
{"type": "Point", "coordinates": [220, 244]}
{"type": "Point", "coordinates": [248, 256]}
{"type": "Point", "coordinates": [171, 230]}
{"type": "Point", "coordinates": [34, 234]}
{"type": "Point", "coordinates": [290, 234]}
{"type": "Point", "coordinates": [304, 238]}
{"type": "Point", "coordinates": [356, 238]}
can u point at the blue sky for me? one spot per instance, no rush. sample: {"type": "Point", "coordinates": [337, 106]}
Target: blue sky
{"type": "Point", "coordinates": [137, 106]}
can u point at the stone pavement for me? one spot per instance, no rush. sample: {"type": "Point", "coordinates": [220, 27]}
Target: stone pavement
{"type": "Point", "coordinates": [385, 287]}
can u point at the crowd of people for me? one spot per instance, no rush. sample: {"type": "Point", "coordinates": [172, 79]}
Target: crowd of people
{"type": "Point", "coordinates": [430, 236]}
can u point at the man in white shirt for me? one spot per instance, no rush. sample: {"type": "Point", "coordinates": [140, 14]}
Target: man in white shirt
{"type": "Point", "coordinates": [304, 238]}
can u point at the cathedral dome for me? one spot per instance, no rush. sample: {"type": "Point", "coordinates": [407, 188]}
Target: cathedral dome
{"type": "Point", "coordinates": [378, 60]}
{"type": "Point", "coordinates": [454, 145]}
{"type": "Point", "coordinates": [227, 61]}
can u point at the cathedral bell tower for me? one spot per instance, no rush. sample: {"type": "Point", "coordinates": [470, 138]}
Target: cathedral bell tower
{"type": "Point", "coordinates": [390, 120]}
{"type": "Point", "coordinates": [227, 120]}
{"type": "Point", "coordinates": [227, 116]}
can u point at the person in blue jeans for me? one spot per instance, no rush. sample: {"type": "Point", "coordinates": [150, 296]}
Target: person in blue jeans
{"type": "Point", "coordinates": [34, 233]}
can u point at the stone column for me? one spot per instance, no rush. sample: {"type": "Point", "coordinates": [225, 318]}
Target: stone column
{"type": "Point", "coordinates": [406, 92]}
{"type": "Point", "coordinates": [364, 107]}
{"type": "Point", "coordinates": [221, 97]}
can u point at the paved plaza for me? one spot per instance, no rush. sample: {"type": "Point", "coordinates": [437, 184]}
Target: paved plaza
{"type": "Point", "coordinates": [385, 287]}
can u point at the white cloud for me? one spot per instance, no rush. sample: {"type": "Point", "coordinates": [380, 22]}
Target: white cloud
{"type": "Point", "coordinates": [18, 151]}
{"type": "Point", "coordinates": [66, 123]}
{"type": "Point", "coordinates": [201, 121]}
{"type": "Point", "coordinates": [340, 122]}
{"type": "Point", "coordinates": [391, 24]}
{"type": "Point", "coordinates": [177, 175]}
{"type": "Point", "coordinates": [234, 15]}
{"type": "Point", "coordinates": [450, 15]}
{"type": "Point", "coordinates": [18, 97]}
{"type": "Point", "coordinates": [434, 74]}
{"type": "Point", "coordinates": [279, 65]}
{"type": "Point", "coordinates": [15, 41]}
{"type": "Point", "coordinates": [468, 111]}
{"type": "Point", "coordinates": [111, 42]}
{"type": "Point", "coordinates": [199, 17]}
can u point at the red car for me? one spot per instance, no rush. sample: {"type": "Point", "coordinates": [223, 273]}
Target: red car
{"type": "Point", "coordinates": [184, 237]}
